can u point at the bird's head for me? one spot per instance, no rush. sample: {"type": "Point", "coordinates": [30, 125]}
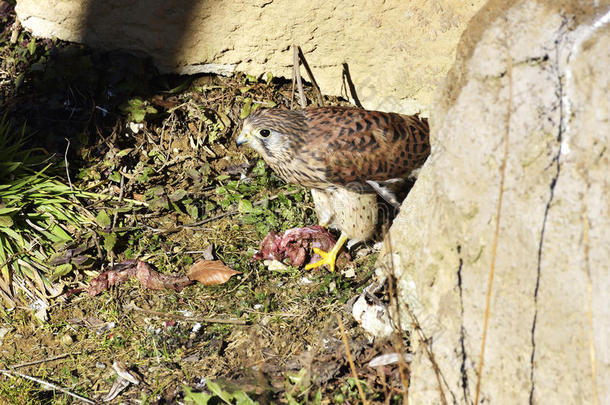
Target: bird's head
{"type": "Point", "coordinates": [272, 132]}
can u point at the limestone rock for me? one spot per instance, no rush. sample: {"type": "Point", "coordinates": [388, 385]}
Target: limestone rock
{"type": "Point", "coordinates": [537, 73]}
{"type": "Point", "coordinates": [397, 51]}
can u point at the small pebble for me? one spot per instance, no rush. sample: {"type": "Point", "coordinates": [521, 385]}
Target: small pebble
{"type": "Point", "coordinates": [275, 265]}
{"type": "Point", "coordinates": [66, 340]}
{"type": "Point", "coordinates": [305, 280]}
{"type": "Point", "coordinates": [349, 272]}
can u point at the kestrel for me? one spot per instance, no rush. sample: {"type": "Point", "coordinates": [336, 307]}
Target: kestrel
{"type": "Point", "coordinates": [345, 155]}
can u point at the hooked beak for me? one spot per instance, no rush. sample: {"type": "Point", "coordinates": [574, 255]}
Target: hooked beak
{"type": "Point", "coordinates": [243, 137]}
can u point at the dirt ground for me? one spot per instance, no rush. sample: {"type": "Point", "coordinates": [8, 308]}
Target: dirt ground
{"type": "Point", "coordinates": [163, 147]}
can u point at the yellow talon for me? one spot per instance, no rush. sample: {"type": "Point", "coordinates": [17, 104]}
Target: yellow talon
{"type": "Point", "coordinates": [328, 258]}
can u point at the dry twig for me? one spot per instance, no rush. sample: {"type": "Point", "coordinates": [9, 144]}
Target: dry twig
{"type": "Point", "coordinates": [48, 385]}
{"type": "Point", "coordinates": [297, 74]}
{"type": "Point", "coordinates": [186, 318]}
{"type": "Point", "coordinates": [592, 356]}
{"type": "Point", "coordinates": [352, 366]}
{"type": "Point", "coordinates": [397, 342]}
{"type": "Point", "coordinates": [416, 325]}
{"type": "Point", "coordinates": [58, 357]}
{"type": "Point", "coordinates": [121, 193]}
{"type": "Point", "coordinates": [310, 74]}
{"type": "Point", "coordinates": [68, 164]}
{"type": "Point", "coordinates": [233, 212]}
{"type": "Point", "coordinates": [494, 246]}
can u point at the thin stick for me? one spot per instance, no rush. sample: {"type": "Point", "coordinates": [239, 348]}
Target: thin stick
{"type": "Point", "coordinates": [429, 353]}
{"type": "Point", "coordinates": [349, 86]}
{"type": "Point", "coordinates": [352, 366]}
{"type": "Point", "coordinates": [48, 385]}
{"type": "Point", "coordinates": [212, 219]}
{"type": "Point", "coordinates": [105, 197]}
{"type": "Point", "coordinates": [233, 212]}
{"type": "Point", "coordinates": [169, 144]}
{"type": "Point", "coordinates": [31, 363]}
{"type": "Point", "coordinates": [68, 164]}
{"type": "Point", "coordinates": [292, 91]}
{"type": "Point", "coordinates": [297, 73]}
{"type": "Point", "coordinates": [592, 356]}
{"type": "Point", "coordinates": [121, 192]}
{"type": "Point", "coordinates": [494, 246]}
{"type": "Point", "coordinates": [397, 335]}
{"type": "Point", "coordinates": [310, 74]}
{"type": "Point", "coordinates": [187, 318]}
{"type": "Point", "coordinates": [186, 252]}
{"type": "Point", "coordinates": [416, 325]}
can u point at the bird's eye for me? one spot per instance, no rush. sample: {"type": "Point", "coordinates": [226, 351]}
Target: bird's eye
{"type": "Point", "coordinates": [264, 133]}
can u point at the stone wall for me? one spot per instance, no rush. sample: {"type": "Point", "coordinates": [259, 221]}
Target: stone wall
{"type": "Point", "coordinates": [533, 74]}
{"type": "Point", "coordinates": [397, 51]}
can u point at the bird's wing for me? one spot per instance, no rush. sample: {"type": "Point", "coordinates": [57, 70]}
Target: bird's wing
{"type": "Point", "coordinates": [358, 145]}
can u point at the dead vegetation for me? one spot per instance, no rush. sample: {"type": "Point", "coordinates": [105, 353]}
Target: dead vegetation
{"type": "Point", "coordinates": [161, 150]}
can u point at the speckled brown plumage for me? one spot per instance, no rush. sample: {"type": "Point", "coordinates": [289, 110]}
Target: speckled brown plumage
{"type": "Point", "coordinates": [341, 146]}
{"type": "Point", "coordinates": [343, 154]}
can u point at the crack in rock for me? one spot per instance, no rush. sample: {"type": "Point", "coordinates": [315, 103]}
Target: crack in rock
{"type": "Point", "coordinates": [557, 164]}
{"type": "Point", "coordinates": [463, 372]}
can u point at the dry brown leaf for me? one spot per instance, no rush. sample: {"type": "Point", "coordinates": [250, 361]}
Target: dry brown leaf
{"type": "Point", "coordinates": [211, 272]}
{"type": "Point", "coordinates": [166, 103]}
{"type": "Point", "coordinates": [149, 277]}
